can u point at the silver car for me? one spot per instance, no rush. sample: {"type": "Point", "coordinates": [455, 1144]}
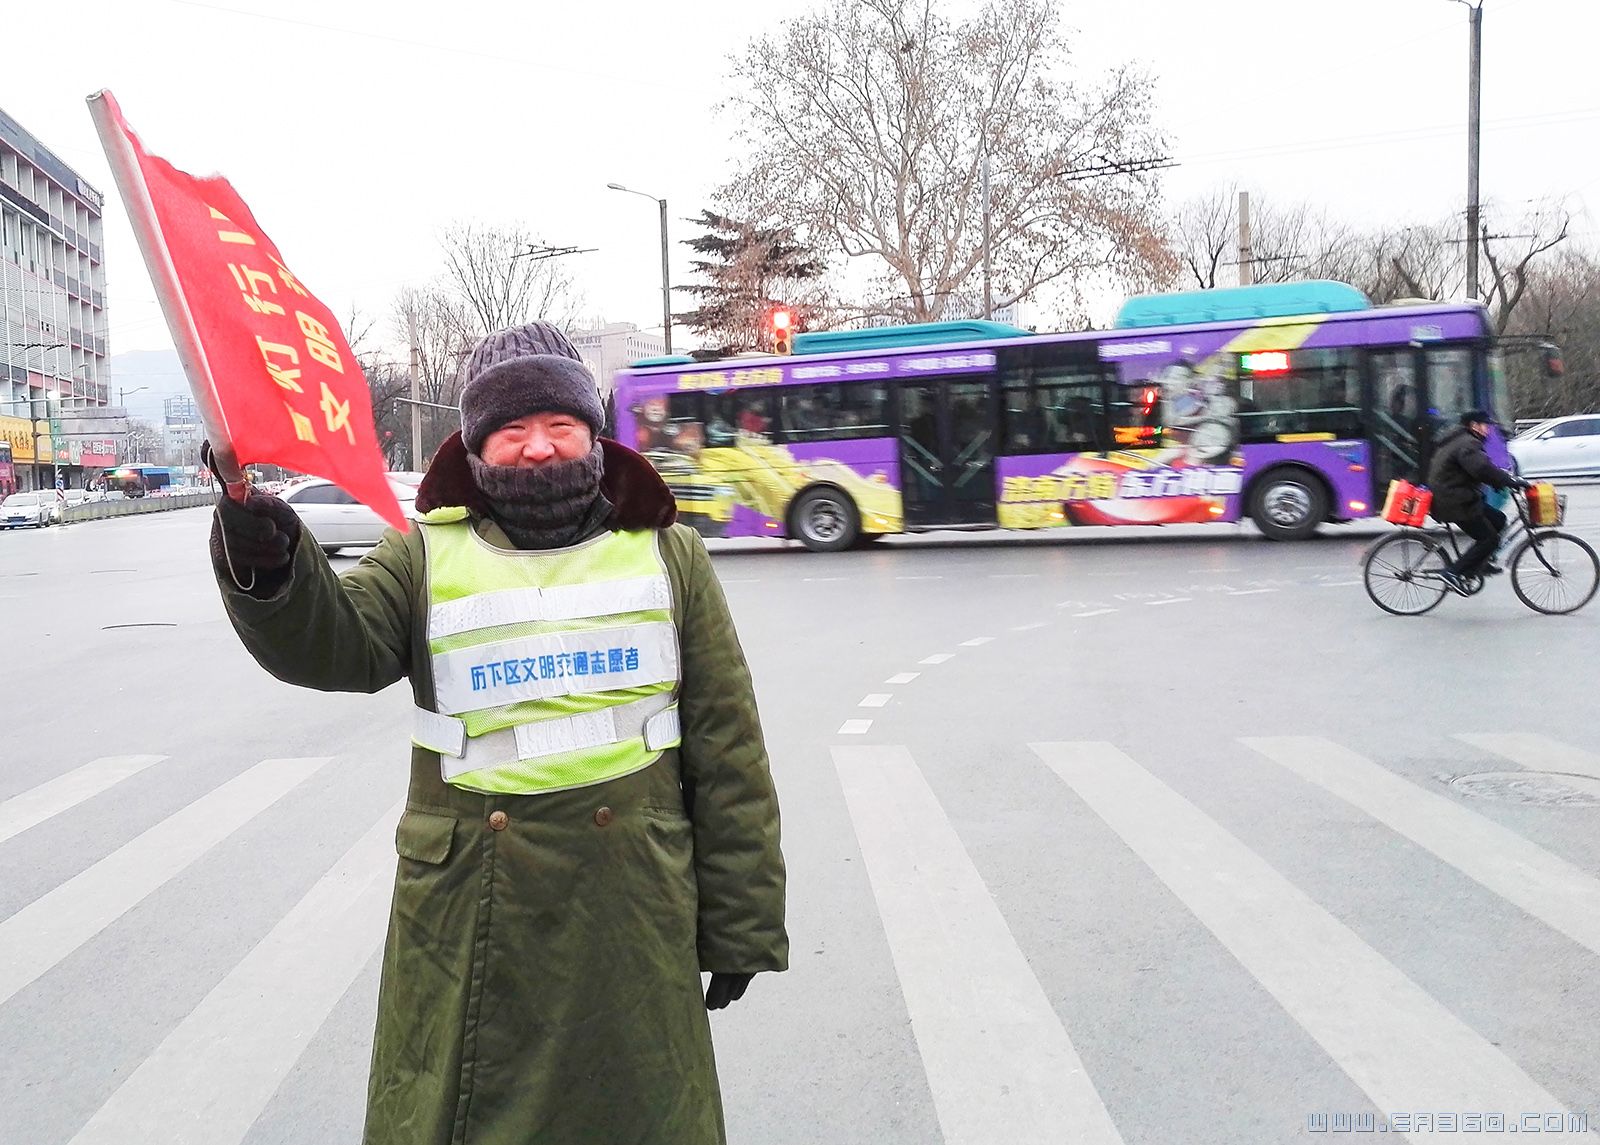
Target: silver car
{"type": "Point", "coordinates": [1560, 447]}
{"type": "Point", "coordinates": [337, 520]}
{"type": "Point", "coordinates": [28, 510]}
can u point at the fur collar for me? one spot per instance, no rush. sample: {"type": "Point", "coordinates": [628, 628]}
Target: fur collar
{"type": "Point", "coordinates": [640, 498]}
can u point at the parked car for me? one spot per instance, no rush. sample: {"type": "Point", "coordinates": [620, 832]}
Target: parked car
{"type": "Point", "coordinates": [29, 510]}
{"type": "Point", "coordinates": [337, 520]}
{"type": "Point", "coordinates": [1560, 447]}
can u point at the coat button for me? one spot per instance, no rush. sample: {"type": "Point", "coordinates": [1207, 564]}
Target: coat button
{"type": "Point", "coordinates": [498, 820]}
{"type": "Point", "coordinates": [602, 817]}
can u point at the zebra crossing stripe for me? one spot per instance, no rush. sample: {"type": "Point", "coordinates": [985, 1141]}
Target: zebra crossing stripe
{"type": "Point", "coordinates": [1547, 887]}
{"type": "Point", "coordinates": [209, 1080]}
{"type": "Point", "coordinates": [999, 1065]}
{"type": "Point", "coordinates": [64, 792]}
{"type": "Point", "coordinates": [1393, 1039]}
{"type": "Point", "coordinates": [48, 929]}
{"type": "Point", "coordinates": [1541, 753]}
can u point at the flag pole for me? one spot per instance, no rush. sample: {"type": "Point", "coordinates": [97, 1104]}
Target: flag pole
{"type": "Point", "coordinates": [180, 323]}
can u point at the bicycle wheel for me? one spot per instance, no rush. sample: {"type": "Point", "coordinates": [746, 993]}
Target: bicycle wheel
{"type": "Point", "coordinates": [1401, 573]}
{"type": "Point", "coordinates": [1554, 573]}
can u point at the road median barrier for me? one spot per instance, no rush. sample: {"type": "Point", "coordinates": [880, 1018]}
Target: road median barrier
{"type": "Point", "coordinates": [100, 510]}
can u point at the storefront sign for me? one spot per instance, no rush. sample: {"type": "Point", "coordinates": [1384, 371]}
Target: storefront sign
{"type": "Point", "coordinates": [93, 452]}
{"type": "Point", "coordinates": [17, 432]}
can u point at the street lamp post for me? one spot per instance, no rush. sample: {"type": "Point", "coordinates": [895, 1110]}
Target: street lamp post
{"type": "Point", "coordinates": [666, 272]}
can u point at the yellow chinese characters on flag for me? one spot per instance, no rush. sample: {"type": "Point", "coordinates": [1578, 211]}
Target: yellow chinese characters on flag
{"type": "Point", "coordinates": [280, 373]}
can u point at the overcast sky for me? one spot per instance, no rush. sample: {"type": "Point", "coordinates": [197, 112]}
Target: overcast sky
{"type": "Point", "coordinates": [356, 128]}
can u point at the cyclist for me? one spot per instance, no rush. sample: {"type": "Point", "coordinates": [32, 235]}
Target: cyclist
{"type": "Point", "coordinates": [1457, 475]}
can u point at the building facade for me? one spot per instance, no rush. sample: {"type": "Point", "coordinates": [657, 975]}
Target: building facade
{"type": "Point", "coordinates": [182, 431]}
{"type": "Point", "coordinates": [613, 346]}
{"type": "Point", "coordinates": [53, 322]}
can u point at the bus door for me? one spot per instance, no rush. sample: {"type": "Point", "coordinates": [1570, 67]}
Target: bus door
{"type": "Point", "coordinates": [1448, 374]}
{"type": "Point", "coordinates": [1395, 418]}
{"type": "Point", "coordinates": [948, 438]}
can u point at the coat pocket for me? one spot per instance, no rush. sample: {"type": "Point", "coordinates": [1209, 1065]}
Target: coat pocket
{"type": "Point", "coordinates": [425, 837]}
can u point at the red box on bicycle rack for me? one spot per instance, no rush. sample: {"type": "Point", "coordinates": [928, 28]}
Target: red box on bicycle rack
{"type": "Point", "coordinates": [1544, 507]}
{"type": "Point", "coordinates": [1407, 504]}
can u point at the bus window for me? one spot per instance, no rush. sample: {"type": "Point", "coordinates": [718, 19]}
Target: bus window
{"type": "Point", "coordinates": [1053, 400]}
{"type": "Point", "coordinates": [835, 412]}
{"type": "Point", "coordinates": [736, 412]}
{"type": "Point", "coordinates": [1056, 410]}
{"type": "Point", "coordinates": [1449, 386]}
{"type": "Point", "coordinates": [1301, 391]}
{"type": "Point", "coordinates": [1499, 388]}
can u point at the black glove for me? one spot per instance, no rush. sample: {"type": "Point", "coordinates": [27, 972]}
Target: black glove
{"type": "Point", "coordinates": [1521, 483]}
{"type": "Point", "coordinates": [260, 534]}
{"type": "Point", "coordinates": [726, 988]}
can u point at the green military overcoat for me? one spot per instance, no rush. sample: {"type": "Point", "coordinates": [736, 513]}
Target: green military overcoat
{"type": "Point", "coordinates": [541, 977]}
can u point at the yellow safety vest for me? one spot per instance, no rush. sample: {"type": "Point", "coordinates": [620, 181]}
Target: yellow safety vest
{"type": "Point", "coordinates": [552, 669]}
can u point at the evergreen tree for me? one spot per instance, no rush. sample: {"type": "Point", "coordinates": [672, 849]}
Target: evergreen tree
{"type": "Point", "coordinates": [749, 271]}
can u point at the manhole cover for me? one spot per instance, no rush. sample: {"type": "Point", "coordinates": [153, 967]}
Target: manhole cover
{"type": "Point", "coordinates": [1541, 788]}
{"type": "Point", "coordinates": [141, 624]}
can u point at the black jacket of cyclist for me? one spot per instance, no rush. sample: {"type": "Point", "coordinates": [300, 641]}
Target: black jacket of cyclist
{"type": "Point", "coordinates": [1459, 471]}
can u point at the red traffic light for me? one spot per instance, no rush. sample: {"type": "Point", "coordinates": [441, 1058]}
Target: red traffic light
{"type": "Point", "coordinates": [782, 331]}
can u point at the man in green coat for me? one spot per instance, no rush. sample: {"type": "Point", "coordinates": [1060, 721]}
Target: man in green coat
{"type": "Point", "coordinates": [591, 822]}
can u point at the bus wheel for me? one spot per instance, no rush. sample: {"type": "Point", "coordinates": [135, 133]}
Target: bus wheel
{"type": "Point", "coordinates": [1288, 504]}
{"type": "Point", "coordinates": [825, 520]}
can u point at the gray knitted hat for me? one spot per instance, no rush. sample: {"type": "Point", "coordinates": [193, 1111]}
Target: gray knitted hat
{"type": "Point", "coordinates": [527, 369]}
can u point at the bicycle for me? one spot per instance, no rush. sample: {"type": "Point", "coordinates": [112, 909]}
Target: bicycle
{"type": "Point", "coordinates": [1552, 572]}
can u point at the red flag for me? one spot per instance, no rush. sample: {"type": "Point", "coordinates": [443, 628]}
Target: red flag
{"type": "Point", "coordinates": [273, 367]}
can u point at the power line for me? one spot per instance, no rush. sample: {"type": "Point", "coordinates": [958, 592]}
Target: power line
{"type": "Point", "coordinates": [1406, 135]}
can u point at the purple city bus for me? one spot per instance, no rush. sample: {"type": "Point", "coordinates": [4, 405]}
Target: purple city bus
{"type": "Point", "coordinates": [1291, 404]}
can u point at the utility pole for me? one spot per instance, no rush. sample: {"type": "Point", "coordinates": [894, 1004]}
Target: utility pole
{"type": "Point", "coordinates": [1474, 83]}
{"type": "Point", "coordinates": [416, 388]}
{"type": "Point", "coordinates": [1247, 270]}
{"type": "Point", "coordinates": [988, 298]}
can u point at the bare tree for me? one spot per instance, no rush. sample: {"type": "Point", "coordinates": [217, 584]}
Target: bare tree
{"type": "Point", "coordinates": [1205, 238]}
{"type": "Point", "coordinates": [1560, 303]}
{"type": "Point", "coordinates": [868, 122]}
{"type": "Point", "coordinates": [1511, 257]}
{"type": "Point", "coordinates": [445, 331]}
{"type": "Point", "coordinates": [142, 441]}
{"type": "Point", "coordinates": [1288, 242]}
{"type": "Point", "coordinates": [501, 279]}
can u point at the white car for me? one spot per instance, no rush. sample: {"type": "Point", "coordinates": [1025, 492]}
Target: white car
{"type": "Point", "coordinates": [29, 510]}
{"type": "Point", "coordinates": [1560, 447]}
{"type": "Point", "coordinates": [337, 520]}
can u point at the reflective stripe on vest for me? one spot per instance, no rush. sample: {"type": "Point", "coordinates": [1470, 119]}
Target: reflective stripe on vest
{"type": "Point", "coordinates": [552, 669]}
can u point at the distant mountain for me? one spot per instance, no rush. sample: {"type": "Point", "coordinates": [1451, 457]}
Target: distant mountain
{"type": "Point", "coordinates": [156, 374]}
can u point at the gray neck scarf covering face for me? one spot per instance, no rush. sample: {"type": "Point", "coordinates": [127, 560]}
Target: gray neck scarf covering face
{"type": "Point", "coordinates": [549, 507]}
